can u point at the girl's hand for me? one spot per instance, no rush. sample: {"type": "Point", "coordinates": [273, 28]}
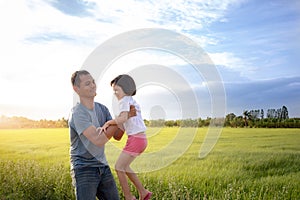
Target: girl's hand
{"type": "Point", "coordinates": [107, 124]}
{"type": "Point", "coordinates": [104, 127]}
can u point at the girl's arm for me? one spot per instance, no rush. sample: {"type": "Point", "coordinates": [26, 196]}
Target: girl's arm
{"type": "Point", "coordinates": [118, 120]}
{"type": "Point", "coordinates": [121, 118]}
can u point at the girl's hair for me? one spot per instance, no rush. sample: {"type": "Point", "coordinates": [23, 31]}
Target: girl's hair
{"type": "Point", "coordinates": [126, 82]}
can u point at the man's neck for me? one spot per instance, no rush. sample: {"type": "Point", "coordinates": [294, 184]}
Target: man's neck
{"type": "Point", "coordinates": [87, 102]}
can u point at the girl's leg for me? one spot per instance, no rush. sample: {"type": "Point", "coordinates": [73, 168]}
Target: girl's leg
{"type": "Point", "coordinates": [123, 165]}
{"type": "Point", "coordinates": [137, 183]}
{"type": "Point", "coordinates": [123, 161]}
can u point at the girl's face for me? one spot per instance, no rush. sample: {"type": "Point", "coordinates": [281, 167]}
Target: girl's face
{"type": "Point", "coordinates": [118, 91]}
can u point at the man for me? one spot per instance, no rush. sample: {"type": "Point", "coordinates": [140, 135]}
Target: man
{"type": "Point", "coordinates": [91, 174]}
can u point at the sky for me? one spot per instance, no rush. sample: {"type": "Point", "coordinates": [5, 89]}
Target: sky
{"type": "Point", "coordinates": [253, 44]}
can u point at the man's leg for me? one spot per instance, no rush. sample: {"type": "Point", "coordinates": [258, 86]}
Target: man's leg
{"type": "Point", "coordinates": [86, 182]}
{"type": "Point", "coordinates": [107, 189]}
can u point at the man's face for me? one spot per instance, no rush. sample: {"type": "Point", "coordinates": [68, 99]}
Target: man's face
{"type": "Point", "coordinates": [87, 87]}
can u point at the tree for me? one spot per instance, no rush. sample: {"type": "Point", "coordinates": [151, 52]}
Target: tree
{"type": "Point", "coordinates": [229, 119]}
{"type": "Point", "coordinates": [262, 114]}
{"type": "Point", "coordinates": [271, 113]}
{"type": "Point", "coordinates": [284, 113]}
{"type": "Point", "coordinates": [246, 117]}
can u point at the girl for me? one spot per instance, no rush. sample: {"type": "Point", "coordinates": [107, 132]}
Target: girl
{"type": "Point", "coordinates": [124, 88]}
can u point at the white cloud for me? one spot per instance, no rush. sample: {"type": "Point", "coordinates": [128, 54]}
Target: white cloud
{"type": "Point", "coordinates": [43, 46]}
{"type": "Point", "coordinates": [231, 61]}
{"type": "Point", "coordinates": [226, 59]}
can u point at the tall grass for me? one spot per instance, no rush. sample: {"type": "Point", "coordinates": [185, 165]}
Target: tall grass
{"type": "Point", "coordinates": [245, 164]}
{"type": "Point", "coordinates": [27, 179]}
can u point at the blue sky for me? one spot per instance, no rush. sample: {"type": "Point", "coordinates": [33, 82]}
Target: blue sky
{"type": "Point", "coordinates": [255, 46]}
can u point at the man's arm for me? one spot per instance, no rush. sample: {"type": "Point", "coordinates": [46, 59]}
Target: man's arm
{"type": "Point", "coordinates": [97, 137]}
{"type": "Point", "coordinates": [93, 135]}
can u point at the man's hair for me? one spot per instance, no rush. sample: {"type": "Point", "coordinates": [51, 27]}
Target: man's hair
{"type": "Point", "coordinates": [75, 79]}
{"type": "Point", "coordinates": [126, 82]}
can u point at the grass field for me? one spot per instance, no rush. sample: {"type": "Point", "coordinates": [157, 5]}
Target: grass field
{"type": "Point", "coordinates": [245, 164]}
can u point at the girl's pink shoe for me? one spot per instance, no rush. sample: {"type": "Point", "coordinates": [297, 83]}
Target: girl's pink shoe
{"type": "Point", "coordinates": [148, 196]}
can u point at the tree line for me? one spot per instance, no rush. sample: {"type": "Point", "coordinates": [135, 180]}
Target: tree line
{"type": "Point", "coordinates": [23, 122]}
{"type": "Point", "coordinates": [274, 118]}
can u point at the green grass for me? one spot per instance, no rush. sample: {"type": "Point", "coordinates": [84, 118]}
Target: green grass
{"type": "Point", "coordinates": [245, 164]}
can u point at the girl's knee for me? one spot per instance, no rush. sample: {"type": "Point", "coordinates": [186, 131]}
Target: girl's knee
{"type": "Point", "coordinates": [122, 168]}
{"type": "Point", "coordinates": [119, 167]}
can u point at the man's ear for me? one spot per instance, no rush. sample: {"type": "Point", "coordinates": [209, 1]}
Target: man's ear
{"type": "Point", "coordinates": [76, 88]}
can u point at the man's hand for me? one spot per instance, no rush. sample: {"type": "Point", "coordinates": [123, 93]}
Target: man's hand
{"type": "Point", "coordinates": [132, 111]}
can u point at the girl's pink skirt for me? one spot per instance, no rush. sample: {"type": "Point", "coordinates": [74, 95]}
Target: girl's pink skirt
{"type": "Point", "coordinates": [136, 144]}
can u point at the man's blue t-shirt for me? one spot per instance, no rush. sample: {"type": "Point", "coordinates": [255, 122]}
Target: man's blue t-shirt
{"type": "Point", "coordinates": [84, 153]}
